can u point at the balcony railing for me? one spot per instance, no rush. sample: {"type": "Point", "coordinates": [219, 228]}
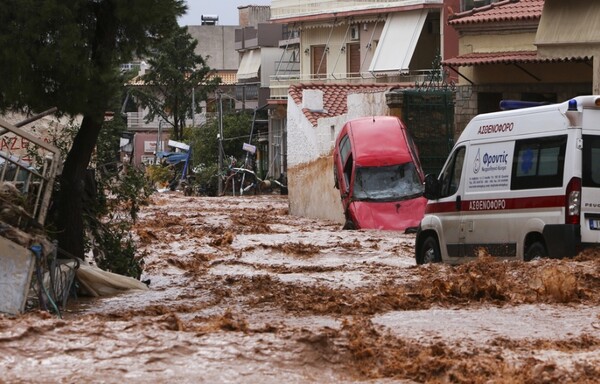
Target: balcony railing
{"type": "Point", "coordinates": [136, 121]}
{"type": "Point", "coordinates": [281, 9]}
{"type": "Point", "coordinates": [280, 83]}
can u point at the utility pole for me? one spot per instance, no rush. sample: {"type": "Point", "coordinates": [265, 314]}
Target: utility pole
{"type": "Point", "coordinates": [220, 137]}
{"type": "Point", "coordinates": [158, 142]}
{"type": "Point", "coordinates": [194, 107]}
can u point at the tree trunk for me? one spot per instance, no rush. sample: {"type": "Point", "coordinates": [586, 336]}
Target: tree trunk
{"type": "Point", "coordinates": [70, 198]}
{"type": "Point", "coordinates": [72, 181]}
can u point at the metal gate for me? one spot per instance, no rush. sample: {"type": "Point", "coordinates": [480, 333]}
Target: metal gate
{"type": "Point", "coordinates": [429, 116]}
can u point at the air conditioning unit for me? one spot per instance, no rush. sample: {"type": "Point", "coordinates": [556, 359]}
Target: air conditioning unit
{"type": "Point", "coordinates": [354, 32]}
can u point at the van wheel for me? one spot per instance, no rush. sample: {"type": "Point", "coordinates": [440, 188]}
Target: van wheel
{"type": "Point", "coordinates": [536, 250]}
{"type": "Point", "coordinates": [430, 251]}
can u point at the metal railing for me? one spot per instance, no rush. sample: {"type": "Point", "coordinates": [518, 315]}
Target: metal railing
{"type": "Point", "coordinates": [137, 121]}
{"type": "Point", "coordinates": [288, 8]}
{"type": "Point", "coordinates": [280, 83]}
{"type": "Point", "coordinates": [27, 176]}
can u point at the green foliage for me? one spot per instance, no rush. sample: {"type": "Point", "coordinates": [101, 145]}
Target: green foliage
{"type": "Point", "coordinates": [133, 191]}
{"type": "Point", "coordinates": [117, 251]}
{"type": "Point", "coordinates": [50, 53]}
{"type": "Point", "coordinates": [66, 53]}
{"type": "Point", "coordinates": [110, 235]}
{"type": "Point", "coordinates": [205, 180]}
{"type": "Point", "coordinates": [205, 144]}
{"type": "Point", "coordinates": [159, 174]}
{"type": "Point", "coordinates": [177, 76]}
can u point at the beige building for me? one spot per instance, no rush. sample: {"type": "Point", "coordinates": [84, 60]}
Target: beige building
{"type": "Point", "coordinates": [515, 50]}
{"type": "Point", "coordinates": [571, 29]}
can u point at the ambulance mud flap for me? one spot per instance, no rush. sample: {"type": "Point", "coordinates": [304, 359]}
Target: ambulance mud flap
{"type": "Point", "coordinates": [562, 240]}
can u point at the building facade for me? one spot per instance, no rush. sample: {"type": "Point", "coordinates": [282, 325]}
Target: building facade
{"type": "Point", "coordinates": [511, 50]}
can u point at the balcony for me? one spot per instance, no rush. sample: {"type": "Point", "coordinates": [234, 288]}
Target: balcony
{"type": "Point", "coordinates": [136, 122]}
{"type": "Point", "coordinates": [281, 9]}
{"type": "Point", "coordinates": [267, 35]}
{"type": "Point", "coordinates": [281, 83]}
{"type": "Point", "coordinates": [291, 37]}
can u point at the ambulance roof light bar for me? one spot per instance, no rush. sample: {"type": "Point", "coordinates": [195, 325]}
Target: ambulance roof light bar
{"type": "Point", "coordinates": [506, 105]}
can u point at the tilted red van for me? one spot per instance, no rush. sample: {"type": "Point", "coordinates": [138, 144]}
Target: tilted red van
{"type": "Point", "coordinates": [379, 175]}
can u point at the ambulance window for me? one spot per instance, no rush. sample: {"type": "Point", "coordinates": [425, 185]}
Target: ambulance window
{"type": "Point", "coordinates": [591, 161]}
{"type": "Point", "coordinates": [451, 175]}
{"type": "Point", "coordinates": [539, 163]}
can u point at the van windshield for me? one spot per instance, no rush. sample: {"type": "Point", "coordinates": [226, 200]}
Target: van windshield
{"type": "Point", "coordinates": [389, 183]}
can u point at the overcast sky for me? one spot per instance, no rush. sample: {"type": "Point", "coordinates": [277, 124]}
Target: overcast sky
{"type": "Point", "coordinates": [225, 9]}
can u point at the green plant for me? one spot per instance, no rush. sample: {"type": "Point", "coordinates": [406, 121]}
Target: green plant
{"type": "Point", "coordinates": [159, 174]}
{"type": "Point", "coordinates": [116, 250]}
{"type": "Point", "coordinates": [206, 179]}
{"type": "Point", "coordinates": [109, 234]}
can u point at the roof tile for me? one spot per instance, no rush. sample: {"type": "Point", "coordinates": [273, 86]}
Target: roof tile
{"type": "Point", "coordinates": [334, 97]}
{"type": "Point", "coordinates": [507, 10]}
{"type": "Point", "coordinates": [478, 58]}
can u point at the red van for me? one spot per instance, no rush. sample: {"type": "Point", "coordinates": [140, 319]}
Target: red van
{"type": "Point", "coordinates": [377, 170]}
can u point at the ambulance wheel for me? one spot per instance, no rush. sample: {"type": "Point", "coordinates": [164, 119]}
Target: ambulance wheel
{"type": "Point", "coordinates": [535, 250]}
{"type": "Point", "coordinates": [430, 251]}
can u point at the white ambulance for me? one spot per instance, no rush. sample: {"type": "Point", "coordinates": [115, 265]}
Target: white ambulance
{"type": "Point", "coordinates": [518, 184]}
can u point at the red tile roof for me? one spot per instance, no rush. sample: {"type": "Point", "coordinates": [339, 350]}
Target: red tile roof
{"type": "Point", "coordinates": [506, 58]}
{"type": "Point", "coordinates": [507, 10]}
{"type": "Point", "coordinates": [335, 97]}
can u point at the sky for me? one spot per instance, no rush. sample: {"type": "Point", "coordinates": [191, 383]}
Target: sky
{"type": "Point", "coordinates": [225, 9]}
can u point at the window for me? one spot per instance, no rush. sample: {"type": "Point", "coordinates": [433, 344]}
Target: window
{"type": "Point", "coordinates": [452, 173]}
{"type": "Point", "coordinates": [344, 148]}
{"type": "Point", "coordinates": [346, 160]}
{"type": "Point", "coordinates": [538, 163]}
{"type": "Point", "coordinates": [348, 173]}
{"type": "Point", "coordinates": [591, 161]}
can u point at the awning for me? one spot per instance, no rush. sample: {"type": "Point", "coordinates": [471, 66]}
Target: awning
{"type": "Point", "coordinates": [398, 41]}
{"type": "Point", "coordinates": [250, 65]}
{"type": "Point", "coordinates": [569, 22]}
{"type": "Point", "coordinates": [515, 57]}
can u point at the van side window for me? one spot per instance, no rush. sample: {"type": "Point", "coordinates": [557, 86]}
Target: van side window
{"type": "Point", "coordinates": [451, 175]}
{"type": "Point", "coordinates": [348, 173]}
{"type": "Point", "coordinates": [345, 149]}
{"type": "Point", "coordinates": [538, 163]}
{"type": "Point", "coordinates": [591, 161]}
{"type": "Point", "coordinates": [414, 150]}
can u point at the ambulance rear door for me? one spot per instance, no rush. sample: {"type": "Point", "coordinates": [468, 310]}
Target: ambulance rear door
{"type": "Point", "coordinates": [590, 183]}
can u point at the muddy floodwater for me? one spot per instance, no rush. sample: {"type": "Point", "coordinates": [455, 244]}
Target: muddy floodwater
{"type": "Point", "coordinates": [242, 292]}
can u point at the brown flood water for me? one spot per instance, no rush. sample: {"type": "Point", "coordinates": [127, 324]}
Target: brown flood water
{"type": "Point", "coordinates": [241, 292]}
